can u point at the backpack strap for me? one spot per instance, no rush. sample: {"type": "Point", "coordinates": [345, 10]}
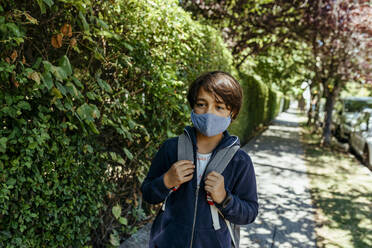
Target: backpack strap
{"type": "Point", "coordinates": [185, 149]}
{"type": "Point", "coordinates": [184, 152]}
{"type": "Point", "coordinates": [215, 211]}
{"type": "Point", "coordinates": [221, 159]}
{"type": "Point", "coordinates": [218, 164]}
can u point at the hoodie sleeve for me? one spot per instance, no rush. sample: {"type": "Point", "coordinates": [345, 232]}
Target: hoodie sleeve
{"type": "Point", "coordinates": [243, 206]}
{"type": "Point", "coordinates": [153, 188]}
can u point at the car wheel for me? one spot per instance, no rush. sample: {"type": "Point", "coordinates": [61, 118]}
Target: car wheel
{"type": "Point", "coordinates": [366, 156]}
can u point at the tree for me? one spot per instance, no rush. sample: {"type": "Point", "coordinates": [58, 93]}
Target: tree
{"type": "Point", "coordinates": [340, 35]}
{"type": "Point", "coordinates": [251, 27]}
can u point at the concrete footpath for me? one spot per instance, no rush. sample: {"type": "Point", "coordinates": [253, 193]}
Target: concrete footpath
{"type": "Point", "coordinates": [286, 216]}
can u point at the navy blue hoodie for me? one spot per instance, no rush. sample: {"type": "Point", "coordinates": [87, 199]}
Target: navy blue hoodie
{"type": "Point", "coordinates": [173, 228]}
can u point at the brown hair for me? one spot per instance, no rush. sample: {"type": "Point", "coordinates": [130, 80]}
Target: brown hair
{"type": "Point", "coordinates": [222, 85]}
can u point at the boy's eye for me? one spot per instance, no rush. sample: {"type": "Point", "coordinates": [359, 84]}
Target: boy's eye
{"type": "Point", "coordinates": [200, 104]}
{"type": "Point", "coordinates": [220, 108]}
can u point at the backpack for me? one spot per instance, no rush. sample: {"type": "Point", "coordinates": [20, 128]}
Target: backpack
{"type": "Point", "coordinates": [217, 163]}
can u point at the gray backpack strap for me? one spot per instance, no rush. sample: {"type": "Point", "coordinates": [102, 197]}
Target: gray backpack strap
{"type": "Point", "coordinates": [221, 159]}
{"type": "Point", "coordinates": [218, 164]}
{"type": "Point", "coordinates": [184, 152]}
{"type": "Point", "coordinates": [185, 149]}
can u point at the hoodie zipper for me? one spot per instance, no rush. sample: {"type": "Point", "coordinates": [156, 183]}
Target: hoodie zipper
{"type": "Point", "coordinates": [197, 191]}
{"type": "Point", "coordinates": [196, 203]}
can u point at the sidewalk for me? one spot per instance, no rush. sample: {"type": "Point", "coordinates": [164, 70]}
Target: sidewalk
{"type": "Point", "coordinates": [286, 216]}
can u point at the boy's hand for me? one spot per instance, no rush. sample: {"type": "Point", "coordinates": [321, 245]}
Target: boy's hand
{"type": "Point", "coordinates": [180, 172]}
{"type": "Point", "coordinates": [215, 186]}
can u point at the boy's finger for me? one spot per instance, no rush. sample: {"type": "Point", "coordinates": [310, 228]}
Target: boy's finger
{"type": "Point", "coordinates": [211, 180]}
{"type": "Point", "coordinates": [209, 189]}
{"type": "Point", "coordinates": [212, 176]}
{"type": "Point", "coordinates": [183, 163]}
{"type": "Point", "coordinates": [188, 178]}
{"type": "Point", "coordinates": [210, 183]}
{"type": "Point", "coordinates": [188, 171]}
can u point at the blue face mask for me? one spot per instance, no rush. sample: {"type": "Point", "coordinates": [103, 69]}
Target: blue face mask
{"type": "Point", "coordinates": [210, 124]}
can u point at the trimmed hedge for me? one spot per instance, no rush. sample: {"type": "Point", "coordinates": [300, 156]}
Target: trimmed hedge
{"type": "Point", "coordinates": [260, 106]}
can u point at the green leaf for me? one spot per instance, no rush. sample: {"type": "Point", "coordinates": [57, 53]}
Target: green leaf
{"type": "Point", "coordinates": [123, 221]}
{"type": "Point", "coordinates": [127, 45]}
{"type": "Point", "coordinates": [93, 127]}
{"type": "Point", "coordinates": [64, 63]}
{"type": "Point", "coordinates": [47, 66]}
{"type": "Point", "coordinates": [61, 88]}
{"type": "Point", "coordinates": [48, 2]}
{"type": "Point", "coordinates": [56, 93]}
{"type": "Point", "coordinates": [24, 105]}
{"type": "Point", "coordinates": [128, 153]}
{"type": "Point", "coordinates": [3, 141]}
{"type": "Point", "coordinates": [121, 160]}
{"type": "Point", "coordinates": [114, 240]}
{"type": "Point", "coordinates": [105, 86]}
{"type": "Point", "coordinates": [116, 211]}
{"type": "Point", "coordinates": [37, 63]}
{"type": "Point", "coordinates": [47, 79]}
{"type": "Point", "coordinates": [88, 148]}
{"type": "Point", "coordinates": [59, 73]}
{"type": "Point", "coordinates": [102, 23]}
{"type": "Point", "coordinates": [88, 112]}
{"type": "Point", "coordinates": [84, 21]}
{"type": "Point", "coordinates": [113, 155]}
{"type": "Point", "coordinates": [11, 182]}
{"type": "Point", "coordinates": [14, 28]}
{"type": "Point", "coordinates": [77, 82]}
{"type": "Point", "coordinates": [72, 89]}
{"type": "Point", "coordinates": [42, 6]}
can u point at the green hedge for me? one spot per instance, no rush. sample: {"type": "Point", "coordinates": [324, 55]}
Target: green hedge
{"type": "Point", "coordinates": [261, 105]}
{"type": "Point", "coordinates": [287, 102]}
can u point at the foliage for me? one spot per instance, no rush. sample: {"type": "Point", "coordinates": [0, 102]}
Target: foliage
{"type": "Point", "coordinates": [334, 30]}
{"type": "Point", "coordinates": [251, 27]}
{"type": "Point", "coordinates": [260, 105]}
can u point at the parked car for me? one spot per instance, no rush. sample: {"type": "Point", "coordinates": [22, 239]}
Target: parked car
{"type": "Point", "coordinates": [361, 136]}
{"type": "Point", "coordinates": [344, 119]}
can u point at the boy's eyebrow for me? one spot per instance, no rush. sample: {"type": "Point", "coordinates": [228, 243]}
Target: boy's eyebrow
{"type": "Point", "coordinates": [201, 99]}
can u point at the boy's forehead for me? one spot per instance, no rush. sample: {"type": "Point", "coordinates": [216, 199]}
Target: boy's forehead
{"type": "Point", "coordinates": [206, 95]}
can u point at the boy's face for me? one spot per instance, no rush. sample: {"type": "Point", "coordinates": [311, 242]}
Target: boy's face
{"type": "Point", "coordinates": [207, 103]}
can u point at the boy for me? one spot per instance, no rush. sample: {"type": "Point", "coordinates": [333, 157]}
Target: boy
{"type": "Point", "coordinates": [215, 98]}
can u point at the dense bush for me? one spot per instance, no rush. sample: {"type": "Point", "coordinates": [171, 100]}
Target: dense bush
{"type": "Point", "coordinates": [260, 105]}
{"type": "Point", "coordinates": [89, 89]}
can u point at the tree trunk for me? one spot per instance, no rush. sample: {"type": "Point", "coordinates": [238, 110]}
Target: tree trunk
{"type": "Point", "coordinates": [328, 119]}
{"type": "Point", "coordinates": [310, 112]}
{"type": "Point", "coordinates": [330, 102]}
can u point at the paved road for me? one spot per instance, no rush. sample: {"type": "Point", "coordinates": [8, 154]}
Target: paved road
{"type": "Point", "coordinates": [286, 216]}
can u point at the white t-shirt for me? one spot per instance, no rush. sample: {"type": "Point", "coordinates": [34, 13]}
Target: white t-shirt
{"type": "Point", "coordinates": [201, 163]}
